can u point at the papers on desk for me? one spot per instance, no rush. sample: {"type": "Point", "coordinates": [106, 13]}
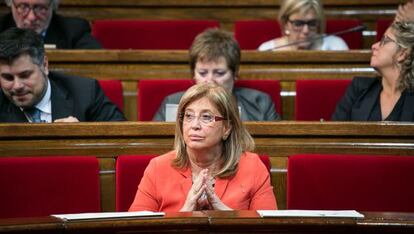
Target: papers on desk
{"type": "Point", "coordinates": [311, 213]}
{"type": "Point", "coordinates": [107, 215]}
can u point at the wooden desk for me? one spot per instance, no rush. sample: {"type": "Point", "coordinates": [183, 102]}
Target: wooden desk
{"type": "Point", "coordinates": [217, 222]}
{"type": "Point", "coordinates": [225, 11]}
{"type": "Point", "coordinates": [276, 139]}
{"type": "Point", "coordinates": [131, 66]}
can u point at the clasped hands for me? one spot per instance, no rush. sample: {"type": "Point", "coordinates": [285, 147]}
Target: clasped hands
{"type": "Point", "coordinates": [202, 195]}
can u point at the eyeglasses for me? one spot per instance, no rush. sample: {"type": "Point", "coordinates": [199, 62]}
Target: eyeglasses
{"type": "Point", "coordinates": [385, 39]}
{"type": "Point", "coordinates": [299, 24]}
{"type": "Point", "coordinates": [38, 9]}
{"type": "Point", "coordinates": [204, 118]}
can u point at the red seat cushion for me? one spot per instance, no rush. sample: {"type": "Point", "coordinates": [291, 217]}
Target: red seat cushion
{"type": "Point", "coordinates": [151, 93]}
{"type": "Point", "coordinates": [113, 90]}
{"type": "Point", "coordinates": [317, 99]}
{"type": "Point", "coordinates": [251, 33]}
{"type": "Point", "coordinates": [357, 182]}
{"type": "Point", "coordinates": [149, 34]}
{"type": "Point", "coordinates": [129, 171]}
{"type": "Point", "coordinates": [40, 186]}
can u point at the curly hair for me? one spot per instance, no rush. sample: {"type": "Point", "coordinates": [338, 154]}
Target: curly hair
{"type": "Point", "coordinates": [404, 33]}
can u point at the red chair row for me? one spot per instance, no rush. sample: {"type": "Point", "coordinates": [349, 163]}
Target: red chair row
{"type": "Point", "coordinates": [251, 33]}
{"type": "Point", "coordinates": [315, 99]}
{"type": "Point", "coordinates": [179, 34]}
{"type": "Point", "coordinates": [40, 186]}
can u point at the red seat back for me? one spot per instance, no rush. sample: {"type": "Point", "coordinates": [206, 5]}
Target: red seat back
{"type": "Point", "coordinates": [357, 182]}
{"type": "Point", "coordinates": [317, 99]}
{"type": "Point", "coordinates": [149, 34]}
{"type": "Point", "coordinates": [40, 186]}
{"type": "Point", "coordinates": [113, 90]}
{"type": "Point", "coordinates": [129, 171]}
{"type": "Point", "coordinates": [266, 161]}
{"type": "Point", "coordinates": [148, 103]}
{"type": "Point", "coordinates": [151, 93]}
{"type": "Point", "coordinates": [381, 27]}
{"type": "Point", "coordinates": [354, 40]}
{"type": "Point", "coordinates": [251, 33]}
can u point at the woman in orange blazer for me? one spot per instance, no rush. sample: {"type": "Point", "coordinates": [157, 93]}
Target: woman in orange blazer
{"type": "Point", "coordinates": [210, 168]}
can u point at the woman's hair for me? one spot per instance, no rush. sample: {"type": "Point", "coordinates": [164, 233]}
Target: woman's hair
{"type": "Point", "coordinates": [239, 139]}
{"type": "Point", "coordinates": [53, 3]}
{"type": "Point", "coordinates": [213, 44]}
{"type": "Point", "coordinates": [290, 7]}
{"type": "Point", "coordinates": [404, 34]}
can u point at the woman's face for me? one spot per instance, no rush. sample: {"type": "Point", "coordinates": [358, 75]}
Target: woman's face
{"type": "Point", "coordinates": [217, 72]}
{"type": "Point", "coordinates": [301, 27]}
{"type": "Point", "coordinates": [386, 53]}
{"type": "Point", "coordinates": [203, 126]}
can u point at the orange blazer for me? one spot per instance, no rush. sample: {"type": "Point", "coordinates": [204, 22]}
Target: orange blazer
{"type": "Point", "coordinates": [165, 188]}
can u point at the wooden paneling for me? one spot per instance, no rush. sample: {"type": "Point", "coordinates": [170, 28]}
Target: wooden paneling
{"type": "Point", "coordinates": [131, 66]}
{"type": "Point", "coordinates": [276, 139]}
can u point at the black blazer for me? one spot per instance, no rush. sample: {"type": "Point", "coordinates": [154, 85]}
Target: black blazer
{"type": "Point", "coordinates": [64, 32]}
{"type": "Point", "coordinates": [360, 99]}
{"type": "Point", "coordinates": [70, 96]}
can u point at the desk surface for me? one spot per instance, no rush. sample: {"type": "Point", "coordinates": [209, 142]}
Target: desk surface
{"type": "Point", "coordinates": [217, 222]}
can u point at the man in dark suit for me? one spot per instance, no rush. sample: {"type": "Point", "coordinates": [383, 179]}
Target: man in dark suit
{"type": "Point", "coordinates": [30, 93]}
{"type": "Point", "coordinates": [57, 31]}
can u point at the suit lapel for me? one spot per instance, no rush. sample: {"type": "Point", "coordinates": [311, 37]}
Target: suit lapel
{"type": "Point", "coordinates": [363, 110]}
{"type": "Point", "coordinates": [62, 105]}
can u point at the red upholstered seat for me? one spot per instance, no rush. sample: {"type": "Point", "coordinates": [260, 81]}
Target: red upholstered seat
{"type": "Point", "coordinates": [317, 99]}
{"type": "Point", "coordinates": [129, 171]}
{"type": "Point", "coordinates": [251, 33]}
{"type": "Point", "coordinates": [266, 161]}
{"type": "Point", "coordinates": [151, 93]}
{"type": "Point", "coordinates": [359, 182]}
{"type": "Point", "coordinates": [149, 34]}
{"type": "Point", "coordinates": [113, 90]}
{"type": "Point", "coordinates": [148, 102]}
{"type": "Point", "coordinates": [381, 27]}
{"type": "Point", "coordinates": [39, 186]}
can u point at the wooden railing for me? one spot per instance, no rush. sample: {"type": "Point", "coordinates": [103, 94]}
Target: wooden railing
{"type": "Point", "coordinates": [276, 139]}
{"type": "Point", "coordinates": [215, 222]}
{"type": "Point", "coordinates": [131, 66]}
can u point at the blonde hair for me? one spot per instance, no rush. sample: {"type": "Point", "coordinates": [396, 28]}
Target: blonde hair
{"type": "Point", "coordinates": [290, 7]}
{"type": "Point", "coordinates": [239, 139]}
{"type": "Point", "coordinates": [404, 35]}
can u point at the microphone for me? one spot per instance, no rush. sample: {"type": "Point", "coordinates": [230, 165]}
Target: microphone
{"type": "Point", "coordinates": [349, 30]}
